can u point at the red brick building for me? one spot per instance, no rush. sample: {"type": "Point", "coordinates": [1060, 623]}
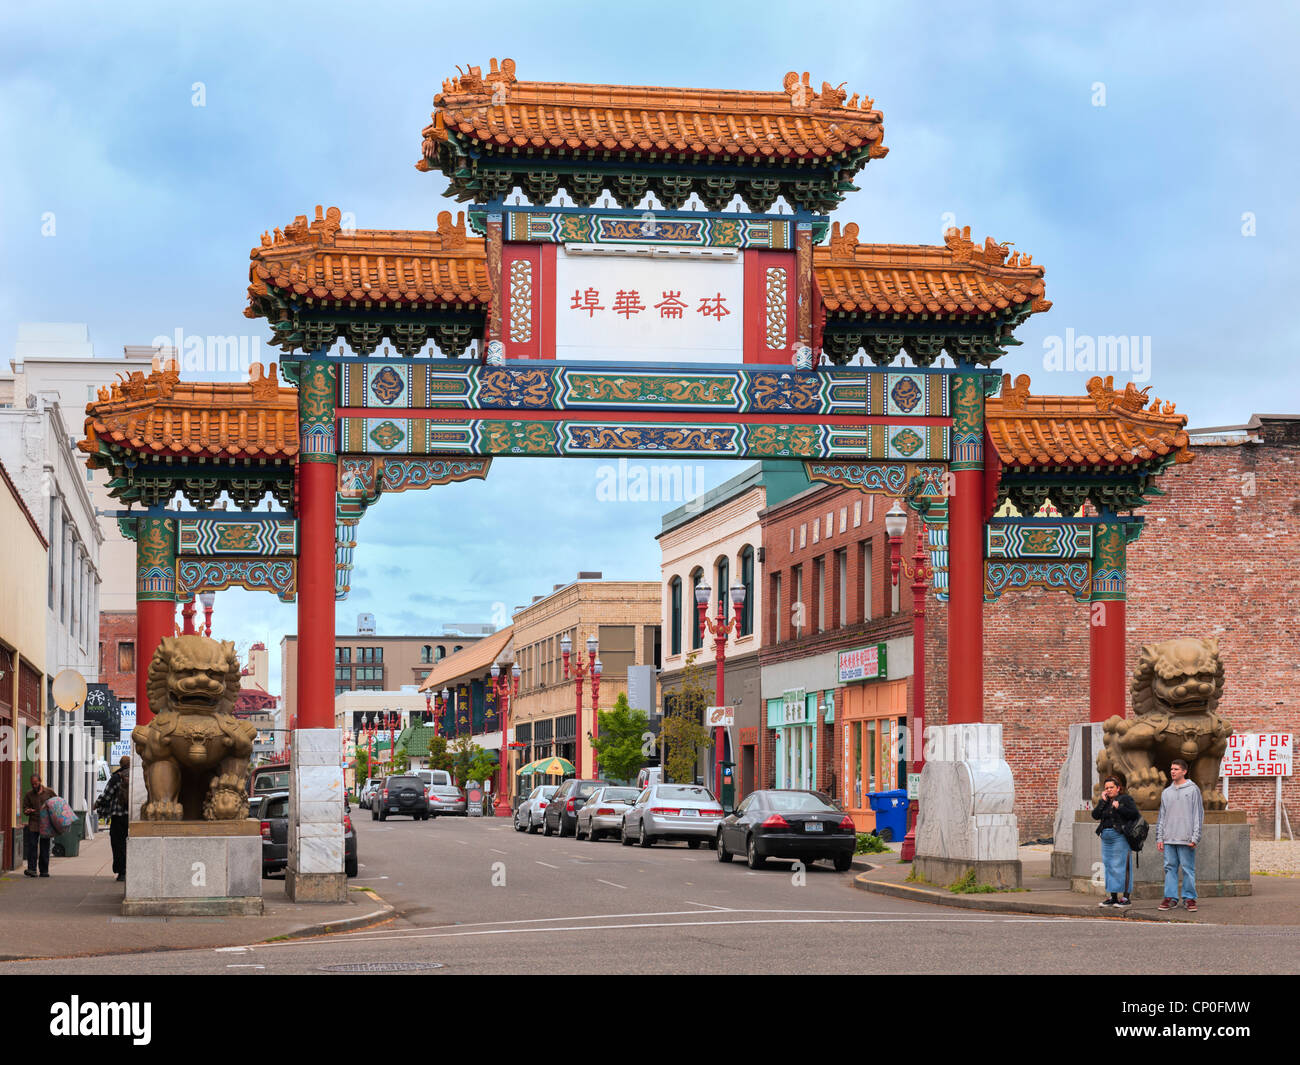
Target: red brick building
{"type": "Point", "coordinates": [117, 658]}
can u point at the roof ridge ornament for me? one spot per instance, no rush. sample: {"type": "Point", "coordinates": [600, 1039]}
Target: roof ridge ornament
{"type": "Point", "coordinates": [964, 250]}
{"type": "Point", "coordinates": [322, 230]}
{"type": "Point", "coordinates": [452, 236]}
{"type": "Point", "coordinates": [472, 81]}
{"type": "Point", "coordinates": [844, 244]}
{"type": "Point", "coordinates": [1014, 397]}
{"type": "Point", "coordinates": [1132, 399]}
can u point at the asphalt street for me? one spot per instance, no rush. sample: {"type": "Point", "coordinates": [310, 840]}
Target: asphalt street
{"type": "Point", "coordinates": [474, 896]}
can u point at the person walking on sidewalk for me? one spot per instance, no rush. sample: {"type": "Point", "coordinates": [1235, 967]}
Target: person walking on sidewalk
{"type": "Point", "coordinates": [34, 844]}
{"type": "Point", "coordinates": [1113, 812]}
{"type": "Point", "coordinates": [114, 805]}
{"type": "Point", "coordinates": [1177, 833]}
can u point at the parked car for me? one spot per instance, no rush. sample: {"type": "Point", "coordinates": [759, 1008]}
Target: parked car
{"type": "Point", "coordinates": [528, 818]}
{"type": "Point", "coordinates": [274, 776]}
{"type": "Point", "coordinates": [444, 797]}
{"type": "Point", "coordinates": [799, 825]}
{"type": "Point", "coordinates": [400, 795]}
{"type": "Point", "coordinates": [602, 813]}
{"type": "Point", "coordinates": [368, 790]}
{"type": "Point", "coordinates": [561, 813]}
{"type": "Point", "coordinates": [650, 775]}
{"type": "Point", "coordinates": [275, 835]}
{"type": "Point", "coordinates": [672, 811]}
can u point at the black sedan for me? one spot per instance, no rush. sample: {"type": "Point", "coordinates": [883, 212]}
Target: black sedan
{"type": "Point", "coordinates": [274, 815]}
{"type": "Point", "coordinates": [561, 814]}
{"type": "Point", "coordinates": [798, 825]}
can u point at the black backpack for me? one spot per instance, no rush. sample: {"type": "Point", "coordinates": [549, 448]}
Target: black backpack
{"type": "Point", "coordinates": [1136, 833]}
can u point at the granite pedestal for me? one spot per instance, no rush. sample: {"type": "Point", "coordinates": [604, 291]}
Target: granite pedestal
{"type": "Point", "coordinates": [315, 872]}
{"type": "Point", "coordinates": [1074, 787]}
{"type": "Point", "coordinates": [1222, 857]}
{"type": "Point", "coordinates": [193, 868]}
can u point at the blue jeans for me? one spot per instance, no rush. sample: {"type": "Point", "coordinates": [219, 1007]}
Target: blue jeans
{"type": "Point", "coordinates": [1115, 853]}
{"type": "Point", "coordinates": [1180, 858]}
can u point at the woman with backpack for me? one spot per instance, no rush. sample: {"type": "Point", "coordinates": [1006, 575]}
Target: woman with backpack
{"type": "Point", "coordinates": [1116, 813]}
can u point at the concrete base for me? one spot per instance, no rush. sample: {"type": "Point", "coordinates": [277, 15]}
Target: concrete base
{"type": "Point", "coordinates": [193, 868]}
{"type": "Point", "coordinates": [1074, 786]}
{"type": "Point", "coordinates": [1222, 858]}
{"type": "Point", "coordinates": [1063, 861]}
{"type": "Point", "coordinates": [945, 871]}
{"type": "Point", "coordinates": [315, 887]}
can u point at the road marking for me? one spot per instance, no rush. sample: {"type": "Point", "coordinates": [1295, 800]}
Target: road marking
{"type": "Point", "coordinates": [245, 966]}
{"type": "Point", "coordinates": [548, 865]}
{"type": "Point", "coordinates": [725, 909]}
{"type": "Point", "coordinates": [611, 884]}
{"type": "Point", "coordinates": [230, 950]}
{"type": "Point", "coordinates": [462, 843]}
{"type": "Point", "coordinates": [495, 851]}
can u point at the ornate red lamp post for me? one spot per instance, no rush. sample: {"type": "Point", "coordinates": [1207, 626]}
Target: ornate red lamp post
{"type": "Point", "coordinates": [207, 599]}
{"type": "Point", "coordinates": [504, 688]}
{"type": "Point", "coordinates": [580, 672]}
{"type": "Point", "coordinates": [187, 617]}
{"type": "Point", "coordinates": [721, 627]}
{"type": "Point", "coordinates": [445, 695]}
{"type": "Point", "coordinates": [920, 573]}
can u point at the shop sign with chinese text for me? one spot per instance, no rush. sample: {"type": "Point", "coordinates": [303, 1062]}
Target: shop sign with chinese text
{"type": "Point", "coordinates": [863, 663]}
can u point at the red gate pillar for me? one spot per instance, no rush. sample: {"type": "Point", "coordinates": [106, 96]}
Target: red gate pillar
{"type": "Point", "coordinates": [1107, 687]}
{"type": "Point", "coordinates": [966, 553]}
{"type": "Point", "coordinates": [317, 488]}
{"type": "Point", "coordinates": [155, 600]}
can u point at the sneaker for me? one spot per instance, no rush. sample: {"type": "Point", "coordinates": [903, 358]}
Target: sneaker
{"type": "Point", "coordinates": [1165, 904]}
{"type": "Point", "coordinates": [121, 877]}
{"type": "Point", "coordinates": [45, 874]}
{"type": "Point", "coordinates": [1190, 905]}
{"type": "Point", "coordinates": [29, 872]}
{"type": "Point", "coordinates": [1107, 901]}
{"type": "Point", "coordinates": [1124, 901]}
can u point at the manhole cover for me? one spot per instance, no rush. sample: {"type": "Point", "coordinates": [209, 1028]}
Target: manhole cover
{"type": "Point", "coordinates": [382, 967]}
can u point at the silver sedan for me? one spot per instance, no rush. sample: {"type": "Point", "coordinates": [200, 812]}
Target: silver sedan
{"type": "Point", "coordinates": [687, 812]}
{"type": "Point", "coordinates": [528, 818]}
{"type": "Point", "coordinates": [602, 814]}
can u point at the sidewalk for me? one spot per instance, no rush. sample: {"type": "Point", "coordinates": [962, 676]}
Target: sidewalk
{"type": "Point", "coordinates": [78, 912]}
{"type": "Point", "coordinates": [1276, 899]}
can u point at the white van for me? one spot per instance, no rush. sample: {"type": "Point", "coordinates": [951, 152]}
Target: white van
{"type": "Point", "coordinates": [650, 775]}
{"type": "Point", "coordinates": [434, 776]}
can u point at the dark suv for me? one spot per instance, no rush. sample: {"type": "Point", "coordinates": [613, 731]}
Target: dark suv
{"type": "Point", "coordinates": [400, 795]}
{"type": "Point", "coordinates": [562, 811]}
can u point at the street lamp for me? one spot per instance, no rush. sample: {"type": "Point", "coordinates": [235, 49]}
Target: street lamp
{"type": "Point", "coordinates": [580, 671]}
{"type": "Point", "coordinates": [504, 689]}
{"type": "Point", "coordinates": [920, 573]}
{"type": "Point", "coordinates": [445, 695]}
{"type": "Point", "coordinates": [187, 617]}
{"type": "Point", "coordinates": [207, 599]}
{"type": "Point", "coordinates": [721, 627]}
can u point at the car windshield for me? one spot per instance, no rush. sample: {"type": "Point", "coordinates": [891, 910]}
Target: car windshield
{"type": "Point", "coordinates": [276, 808]}
{"type": "Point", "coordinates": [405, 782]}
{"type": "Point", "coordinates": [689, 792]}
{"type": "Point", "coordinates": [796, 802]}
{"type": "Point", "coordinates": [546, 791]}
{"type": "Point", "coordinates": [270, 780]}
{"type": "Point", "coordinates": [584, 791]}
{"type": "Point", "coordinates": [620, 795]}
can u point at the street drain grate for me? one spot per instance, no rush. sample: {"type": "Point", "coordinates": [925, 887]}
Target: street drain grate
{"type": "Point", "coordinates": [382, 967]}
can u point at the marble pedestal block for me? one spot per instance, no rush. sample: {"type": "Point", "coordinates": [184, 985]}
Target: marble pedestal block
{"type": "Point", "coordinates": [1074, 791]}
{"type": "Point", "coordinates": [315, 871]}
{"type": "Point", "coordinates": [967, 814]}
{"type": "Point", "coordinates": [1222, 858]}
{"type": "Point", "coordinates": [193, 868]}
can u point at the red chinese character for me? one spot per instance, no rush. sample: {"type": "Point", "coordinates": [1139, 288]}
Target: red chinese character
{"type": "Point", "coordinates": [586, 301]}
{"type": "Point", "coordinates": [713, 306]}
{"type": "Point", "coordinates": [628, 303]}
{"type": "Point", "coordinates": [671, 306]}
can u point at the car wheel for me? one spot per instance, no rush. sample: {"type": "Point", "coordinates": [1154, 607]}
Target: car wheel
{"type": "Point", "coordinates": [752, 858]}
{"type": "Point", "coordinates": [724, 855]}
{"type": "Point", "coordinates": [843, 863]}
{"type": "Point", "coordinates": [518, 826]}
{"type": "Point", "coordinates": [623, 837]}
{"type": "Point", "coordinates": [592, 834]}
{"type": "Point", "coordinates": [374, 814]}
{"type": "Point", "coordinates": [694, 844]}
{"type": "Point", "coordinates": [532, 828]}
{"type": "Point", "coordinates": [350, 867]}
{"type": "Point", "coordinates": [645, 840]}
{"type": "Point", "coordinates": [577, 830]}
{"type": "Point", "coordinates": [383, 815]}
{"type": "Point", "coordinates": [546, 827]}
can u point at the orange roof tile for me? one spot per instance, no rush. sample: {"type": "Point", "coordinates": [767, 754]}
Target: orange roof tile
{"type": "Point", "coordinates": [797, 123]}
{"type": "Point", "coordinates": [324, 261]}
{"type": "Point", "coordinates": [958, 278]}
{"type": "Point", "coordinates": [1104, 428]}
{"type": "Point", "coordinates": [160, 414]}
{"type": "Point", "coordinates": [472, 660]}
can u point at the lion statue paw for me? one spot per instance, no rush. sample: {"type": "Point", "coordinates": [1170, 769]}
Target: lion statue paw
{"type": "Point", "coordinates": [162, 810]}
{"type": "Point", "coordinates": [1145, 785]}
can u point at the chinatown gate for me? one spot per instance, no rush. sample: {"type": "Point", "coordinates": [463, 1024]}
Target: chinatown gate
{"type": "Point", "coordinates": [613, 320]}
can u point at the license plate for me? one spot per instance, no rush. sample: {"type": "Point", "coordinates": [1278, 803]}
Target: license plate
{"type": "Point", "coordinates": [690, 813]}
{"type": "Point", "coordinates": [813, 826]}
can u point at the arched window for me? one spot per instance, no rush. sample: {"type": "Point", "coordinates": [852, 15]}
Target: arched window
{"type": "Point", "coordinates": [455, 649]}
{"type": "Point", "coordinates": [747, 579]}
{"type": "Point", "coordinates": [722, 589]}
{"type": "Point", "coordinates": [439, 653]}
{"type": "Point", "coordinates": [675, 614]}
{"type": "Point", "coordinates": [426, 653]}
{"type": "Point", "coordinates": [697, 638]}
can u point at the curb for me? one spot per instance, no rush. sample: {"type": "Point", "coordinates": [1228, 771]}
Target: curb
{"type": "Point", "coordinates": [1000, 904]}
{"type": "Point", "coordinates": [351, 924]}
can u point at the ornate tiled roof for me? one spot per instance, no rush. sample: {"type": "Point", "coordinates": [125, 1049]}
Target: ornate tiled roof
{"type": "Point", "coordinates": [161, 414]}
{"type": "Point", "coordinates": [960, 278]}
{"type": "Point", "coordinates": [797, 123]}
{"type": "Point", "coordinates": [1104, 428]}
{"type": "Point", "coordinates": [325, 262]}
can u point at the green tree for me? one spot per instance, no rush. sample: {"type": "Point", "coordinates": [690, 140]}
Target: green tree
{"type": "Point", "coordinates": [439, 756]}
{"type": "Point", "coordinates": [621, 740]}
{"type": "Point", "coordinates": [469, 761]}
{"type": "Point", "coordinates": [683, 734]}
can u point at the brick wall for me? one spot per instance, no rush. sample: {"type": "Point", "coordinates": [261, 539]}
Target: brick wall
{"type": "Point", "coordinates": [1218, 558]}
{"type": "Point", "coordinates": [117, 627]}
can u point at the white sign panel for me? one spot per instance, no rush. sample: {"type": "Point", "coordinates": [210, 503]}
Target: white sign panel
{"type": "Point", "coordinates": [719, 716]}
{"type": "Point", "coordinates": [123, 746]}
{"type": "Point", "coordinates": [1258, 754]}
{"type": "Point", "coordinates": [632, 308]}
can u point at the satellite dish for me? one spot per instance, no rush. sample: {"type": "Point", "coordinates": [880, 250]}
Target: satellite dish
{"type": "Point", "coordinates": [69, 690]}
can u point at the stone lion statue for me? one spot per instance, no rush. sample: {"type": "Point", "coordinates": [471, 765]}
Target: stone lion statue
{"type": "Point", "coordinates": [1176, 688]}
{"type": "Point", "coordinates": [194, 752]}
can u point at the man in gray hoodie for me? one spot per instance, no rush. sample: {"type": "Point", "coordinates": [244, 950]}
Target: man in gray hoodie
{"type": "Point", "coordinates": [1178, 831]}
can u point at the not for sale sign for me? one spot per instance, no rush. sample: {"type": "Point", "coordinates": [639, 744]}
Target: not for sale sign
{"type": "Point", "coordinates": [1258, 754]}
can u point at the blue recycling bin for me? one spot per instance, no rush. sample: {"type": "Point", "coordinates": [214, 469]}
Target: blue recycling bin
{"type": "Point", "coordinates": [890, 808]}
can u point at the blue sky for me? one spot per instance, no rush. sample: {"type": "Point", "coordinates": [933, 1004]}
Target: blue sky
{"type": "Point", "coordinates": [1139, 209]}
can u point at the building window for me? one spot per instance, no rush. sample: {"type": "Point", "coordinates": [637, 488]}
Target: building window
{"type": "Point", "coordinates": [342, 654]}
{"type": "Point", "coordinates": [819, 571]}
{"type": "Point", "coordinates": [842, 586]}
{"type": "Point", "coordinates": [796, 604]}
{"type": "Point", "coordinates": [126, 656]}
{"type": "Point", "coordinates": [697, 637]}
{"type": "Point", "coordinates": [723, 588]}
{"type": "Point", "coordinates": [439, 653]}
{"type": "Point", "coordinates": [866, 581]}
{"type": "Point", "coordinates": [617, 649]}
{"type": "Point", "coordinates": [426, 653]}
{"type": "Point", "coordinates": [675, 614]}
{"type": "Point", "coordinates": [776, 608]}
{"type": "Point", "coordinates": [747, 579]}
{"type": "Point", "coordinates": [342, 673]}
